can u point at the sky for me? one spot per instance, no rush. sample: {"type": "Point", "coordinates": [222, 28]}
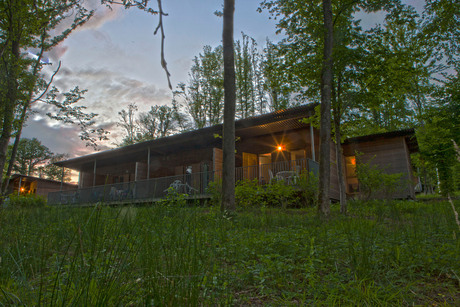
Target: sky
{"type": "Point", "coordinates": [116, 57]}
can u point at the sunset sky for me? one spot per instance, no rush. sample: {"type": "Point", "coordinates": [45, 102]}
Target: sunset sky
{"type": "Point", "coordinates": [116, 57]}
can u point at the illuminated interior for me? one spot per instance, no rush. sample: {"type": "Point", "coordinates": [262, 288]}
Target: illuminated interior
{"type": "Point", "coordinates": [352, 179]}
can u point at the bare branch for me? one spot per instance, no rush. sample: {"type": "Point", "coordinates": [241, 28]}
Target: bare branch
{"type": "Point", "coordinates": [48, 85]}
{"type": "Point", "coordinates": [160, 27]}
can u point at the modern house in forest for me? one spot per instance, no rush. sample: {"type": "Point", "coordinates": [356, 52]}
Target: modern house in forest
{"type": "Point", "coordinates": [30, 185]}
{"type": "Point", "coordinates": [272, 146]}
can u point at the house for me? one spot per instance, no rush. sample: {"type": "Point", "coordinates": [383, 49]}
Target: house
{"type": "Point", "coordinates": [274, 145]}
{"type": "Point", "coordinates": [29, 185]}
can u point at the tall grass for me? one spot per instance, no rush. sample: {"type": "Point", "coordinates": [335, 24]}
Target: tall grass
{"type": "Point", "coordinates": [381, 254]}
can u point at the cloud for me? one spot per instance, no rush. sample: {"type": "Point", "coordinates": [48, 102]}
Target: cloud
{"type": "Point", "coordinates": [102, 14]}
{"type": "Point", "coordinates": [108, 93]}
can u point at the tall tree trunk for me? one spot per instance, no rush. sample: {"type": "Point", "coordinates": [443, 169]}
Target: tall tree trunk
{"type": "Point", "coordinates": [325, 129]}
{"type": "Point", "coordinates": [25, 108]}
{"type": "Point", "coordinates": [228, 146]}
{"type": "Point", "coordinates": [337, 111]}
{"type": "Point", "coordinates": [10, 103]}
{"type": "Point", "coordinates": [340, 173]}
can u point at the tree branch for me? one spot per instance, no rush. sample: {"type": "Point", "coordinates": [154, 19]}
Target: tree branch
{"type": "Point", "coordinates": [160, 27]}
{"type": "Point", "coordinates": [48, 85]}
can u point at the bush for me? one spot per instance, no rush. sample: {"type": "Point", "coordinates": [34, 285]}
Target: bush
{"type": "Point", "coordinates": [375, 183]}
{"type": "Point", "coordinates": [174, 199]}
{"type": "Point", "coordinates": [308, 184]}
{"type": "Point", "coordinates": [215, 190]}
{"type": "Point", "coordinates": [249, 193]}
{"type": "Point", "coordinates": [25, 201]}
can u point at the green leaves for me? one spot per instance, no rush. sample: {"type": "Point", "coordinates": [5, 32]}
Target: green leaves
{"type": "Point", "coordinates": [68, 111]}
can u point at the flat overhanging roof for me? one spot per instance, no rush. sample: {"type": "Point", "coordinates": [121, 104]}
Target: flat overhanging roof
{"type": "Point", "coordinates": [265, 124]}
{"type": "Point", "coordinates": [408, 134]}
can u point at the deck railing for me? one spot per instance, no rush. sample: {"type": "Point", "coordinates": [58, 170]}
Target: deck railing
{"type": "Point", "coordinates": [195, 184]}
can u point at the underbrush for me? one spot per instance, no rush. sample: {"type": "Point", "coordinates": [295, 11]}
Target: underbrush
{"type": "Point", "coordinates": [383, 253]}
{"type": "Point", "coordinates": [24, 201]}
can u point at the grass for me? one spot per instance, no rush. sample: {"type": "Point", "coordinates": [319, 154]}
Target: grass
{"type": "Point", "coordinates": [395, 253]}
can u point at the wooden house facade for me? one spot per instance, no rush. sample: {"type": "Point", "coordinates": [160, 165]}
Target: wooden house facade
{"type": "Point", "coordinates": [267, 146]}
{"type": "Point", "coordinates": [29, 185]}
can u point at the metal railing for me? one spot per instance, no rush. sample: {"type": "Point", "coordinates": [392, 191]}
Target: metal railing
{"type": "Point", "coordinates": [195, 184]}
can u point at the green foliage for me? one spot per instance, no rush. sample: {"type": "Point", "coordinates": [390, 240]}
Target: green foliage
{"type": "Point", "coordinates": [374, 182]}
{"type": "Point", "coordinates": [382, 254]}
{"type": "Point", "coordinates": [160, 121]}
{"type": "Point", "coordinates": [30, 154]}
{"type": "Point", "coordinates": [54, 172]}
{"type": "Point", "coordinates": [174, 199]}
{"type": "Point", "coordinates": [214, 189]}
{"type": "Point", "coordinates": [441, 130]}
{"type": "Point", "coordinates": [24, 201]}
{"type": "Point", "coordinates": [65, 109]}
{"type": "Point", "coordinates": [278, 194]}
{"type": "Point", "coordinates": [308, 183]}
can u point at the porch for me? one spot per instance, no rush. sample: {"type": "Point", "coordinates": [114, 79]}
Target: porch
{"type": "Point", "coordinates": [194, 185]}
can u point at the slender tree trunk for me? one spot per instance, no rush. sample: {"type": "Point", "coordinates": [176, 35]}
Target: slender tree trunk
{"type": "Point", "coordinates": [337, 110]}
{"type": "Point", "coordinates": [10, 102]}
{"type": "Point", "coordinates": [25, 108]}
{"type": "Point", "coordinates": [340, 173]}
{"type": "Point", "coordinates": [228, 177]}
{"type": "Point", "coordinates": [325, 129]}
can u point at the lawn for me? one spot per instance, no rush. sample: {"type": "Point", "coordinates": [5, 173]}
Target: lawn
{"type": "Point", "coordinates": [395, 253]}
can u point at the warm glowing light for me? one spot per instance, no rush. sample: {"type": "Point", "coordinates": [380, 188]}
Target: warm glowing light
{"type": "Point", "coordinates": [22, 189]}
{"type": "Point", "coordinates": [353, 161]}
{"type": "Point", "coordinates": [281, 148]}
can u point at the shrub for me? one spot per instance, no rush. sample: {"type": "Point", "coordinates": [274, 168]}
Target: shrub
{"type": "Point", "coordinates": [375, 183]}
{"type": "Point", "coordinates": [309, 189]}
{"type": "Point", "coordinates": [215, 190]}
{"type": "Point", "coordinates": [174, 199]}
{"type": "Point", "coordinates": [249, 193]}
{"type": "Point", "coordinates": [25, 201]}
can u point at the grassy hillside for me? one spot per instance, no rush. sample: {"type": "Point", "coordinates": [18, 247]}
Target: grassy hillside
{"type": "Point", "coordinates": [398, 253]}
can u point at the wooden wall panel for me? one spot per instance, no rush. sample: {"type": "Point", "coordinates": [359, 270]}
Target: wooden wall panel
{"type": "Point", "coordinates": [141, 171]}
{"type": "Point", "coordinates": [86, 180]}
{"type": "Point", "coordinates": [390, 155]}
{"type": "Point", "coordinates": [217, 160]}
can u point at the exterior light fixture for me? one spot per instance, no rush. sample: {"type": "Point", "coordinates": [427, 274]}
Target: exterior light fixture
{"type": "Point", "coordinates": [281, 148]}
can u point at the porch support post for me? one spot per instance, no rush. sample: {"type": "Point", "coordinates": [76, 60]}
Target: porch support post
{"type": "Point", "coordinates": [62, 177]}
{"type": "Point", "coordinates": [148, 163]}
{"type": "Point", "coordinates": [94, 173]}
{"type": "Point", "coordinates": [19, 188]}
{"type": "Point", "coordinates": [312, 141]}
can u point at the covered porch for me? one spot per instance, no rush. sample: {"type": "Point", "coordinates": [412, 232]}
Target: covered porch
{"type": "Point", "coordinates": [193, 185]}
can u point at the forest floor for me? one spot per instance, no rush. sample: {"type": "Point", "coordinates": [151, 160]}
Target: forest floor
{"type": "Point", "coordinates": [381, 253]}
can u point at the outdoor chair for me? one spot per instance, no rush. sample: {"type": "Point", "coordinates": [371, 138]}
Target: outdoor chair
{"type": "Point", "coordinates": [180, 187]}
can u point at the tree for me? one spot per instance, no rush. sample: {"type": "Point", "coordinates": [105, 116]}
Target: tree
{"type": "Point", "coordinates": [228, 142]}
{"type": "Point", "coordinates": [307, 59]}
{"type": "Point", "coordinates": [277, 83]}
{"type": "Point", "coordinates": [53, 172]}
{"type": "Point", "coordinates": [67, 110]}
{"type": "Point", "coordinates": [31, 154]}
{"type": "Point", "coordinates": [158, 122]}
{"type": "Point", "coordinates": [27, 24]}
{"type": "Point", "coordinates": [128, 123]}
{"type": "Point", "coordinates": [203, 96]}
{"type": "Point", "coordinates": [437, 138]}
{"type": "Point", "coordinates": [326, 96]}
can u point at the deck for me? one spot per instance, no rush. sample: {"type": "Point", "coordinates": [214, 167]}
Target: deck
{"type": "Point", "coordinates": [194, 185]}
